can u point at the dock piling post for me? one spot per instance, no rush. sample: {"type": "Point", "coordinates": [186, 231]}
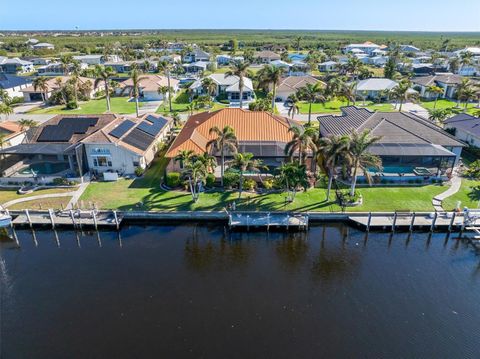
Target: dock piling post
{"type": "Point", "coordinates": [369, 221]}
{"type": "Point", "coordinates": [51, 217]}
{"type": "Point", "coordinates": [73, 218]}
{"type": "Point", "coordinates": [432, 227]}
{"type": "Point", "coordinates": [27, 213]}
{"type": "Point", "coordinates": [452, 221]}
{"type": "Point", "coordinates": [412, 223]}
{"type": "Point", "coordinates": [248, 222]}
{"type": "Point", "coordinates": [94, 219]}
{"type": "Point", "coordinates": [8, 214]}
{"type": "Point", "coordinates": [288, 221]}
{"type": "Point", "coordinates": [394, 221]}
{"type": "Point", "coordinates": [268, 221]}
{"type": "Point", "coordinates": [116, 220]}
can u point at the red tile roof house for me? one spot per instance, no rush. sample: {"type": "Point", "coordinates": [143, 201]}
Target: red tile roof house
{"type": "Point", "coordinates": [261, 133]}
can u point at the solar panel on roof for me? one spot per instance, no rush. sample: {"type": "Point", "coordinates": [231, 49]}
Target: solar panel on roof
{"type": "Point", "coordinates": [66, 128]}
{"type": "Point", "coordinates": [121, 129]}
{"type": "Point", "coordinates": [139, 139]}
{"type": "Point", "coordinates": [152, 125]}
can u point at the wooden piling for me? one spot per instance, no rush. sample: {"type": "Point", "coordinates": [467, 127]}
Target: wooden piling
{"type": "Point", "coordinates": [268, 222]}
{"type": "Point", "coordinates": [73, 218]}
{"type": "Point", "coordinates": [94, 219]}
{"type": "Point", "coordinates": [56, 238]}
{"type": "Point", "coordinates": [412, 223]}
{"type": "Point", "coordinates": [394, 221]}
{"type": "Point", "coordinates": [369, 221]}
{"type": "Point", "coordinates": [432, 227]}
{"type": "Point", "coordinates": [248, 222]}
{"type": "Point", "coordinates": [50, 213]}
{"type": "Point", "coordinates": [116, 220]}
{"type": "Point", "coordinates": [28, 218]}
{"type": "Point", "coordinates": [452, 221]}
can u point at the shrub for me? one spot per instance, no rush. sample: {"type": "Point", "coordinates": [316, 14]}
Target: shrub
{"type": "Point", "coordinates": [139, 171]}
{"type": "Point", "coordinates": [268, 183]}
{"type": "Point", "coordinates": [71, 105]}
{"type": "Point", "coordinates": [249, 184]}
{"type": "Point", "coordinates": [418, 181]}
{"type": "Point", "coordinates": [411, 181]}
{"type": "Point", "coordinates": [173, 179]}
{"type": "Point", "coordinates": [210, 182]}
{"type": "Point", "coordinates": [63, 182]}
{"type": "Point", "coordinates": [230, 179]}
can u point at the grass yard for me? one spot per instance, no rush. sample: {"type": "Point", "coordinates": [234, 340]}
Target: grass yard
{"type": "Point", "coordinates": [145, 194]}
{"type": "Point", "coordinates": [444, 104]}
{"type": "Point", "coordinates": [7, 195]}
{"type": "Point", "coordinates": [180, 104]}
{"type": "Point", "coordinates": [46, 203]}
{"type": "Point", "coordinates": [119, 105]}
{"type": "Point", "coordinates": [334, 106]}
{"type": "Point", "coordinates": [469, 195]}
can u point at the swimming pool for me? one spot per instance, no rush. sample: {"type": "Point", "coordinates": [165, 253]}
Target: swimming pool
{"type": "Point", "coordinates": [393, 169]}
{"type": "Point", "coordinates": [45, 168]}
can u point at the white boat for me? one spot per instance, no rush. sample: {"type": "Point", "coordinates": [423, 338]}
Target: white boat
{"type": "Point", "coordinates": [5, 220]}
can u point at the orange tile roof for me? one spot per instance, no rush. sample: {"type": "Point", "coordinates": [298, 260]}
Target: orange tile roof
{"type": "Point", "coordinates": [248, 126]}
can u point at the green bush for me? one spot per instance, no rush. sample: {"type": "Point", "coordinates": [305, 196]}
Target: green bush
{"type": "Point", "coordinates": [139, 171]}
{"type": "Point", "coordinates": [173, 179]}
{"type": "Point", "coordinates": [268, 183]}
{"type": "Point", "coordinates": [230, 179]}
{"type": "Point", "coordinates": [59, 181]}
{"type": "Point", "coordinates": [249, 184]}
{"type": "Point", "coordinates": [210, 180]}
{"type": "Point", "coordinates": [72, 105]}
{"type": "Point", "coordinates": [418, 181]}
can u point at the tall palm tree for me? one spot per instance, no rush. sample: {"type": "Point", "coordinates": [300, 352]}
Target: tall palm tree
{"type": "Point", "coordinates": [164, 90]}
{"type": "Point", "coordinates": [294, 107]}
{"type": "Point", "coordinates": [135, 92]}
{"type": "Point", "coordinates": [312, 93]}
{"type": "Point", "coordinates": [104, 74]}
{"type": "Point", "coordinates": [437, 91]}
{"type": "Point", "coordinates": [40, 83]}
{"type": "Point", "coordinates": [196, 173]}
{"type": "Point", "coordinates": [209, 161]}
{"type": "Point", "coordinates": [293, 175]}
{"type": "Point", "coordinates": [239, 69]}
{"type": "Point", "coordinates": [301, 143]}
{"type": "Point", "coordinates": [6, 109]}
{"type": "Point", "coordinates": [25, 124]}
{"type": "Point", "coordinates": [66, 61]}
{"type": "Point", "coordinates": [331, 151]}
{"type": "Point", "coordinates": [353, 66]}
{"type": "Point", "coordinates": [466, 91]}
{"type": "Point", "coordinates": [348, 92]}
{"type": "Point", "coordinates": [466, 58]}
{"type": "Point", "coordinates": [184, 157]}
{"type": "Point", "coordinates": [298, 39]}
{"type": "Point", "coordinates": [224, 139]}
{"type": "Point", "coordinates": [209, 86]}
{"type": "Point", "coordinates": [454, 64]}
{"type": "Point", "coordinates": [335, 86]}
{"type": "Point", "coordinates": [438, 115]}
{"type": "Point", "coordinates": [176, 119]}
{"type": "Point", "coordinates": [244, 162]}
{"type": "Point", "coordinates": [360, 158]}
{"type": "Point", "coordinates": [401, 93]}
{"type": "Point", "coordinates": [271, 75]}
{"type": "Point", "coordinates": [165, 67]}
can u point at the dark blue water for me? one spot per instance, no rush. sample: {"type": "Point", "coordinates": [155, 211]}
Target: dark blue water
{"type": "Point", "coordinates": [194, 291]}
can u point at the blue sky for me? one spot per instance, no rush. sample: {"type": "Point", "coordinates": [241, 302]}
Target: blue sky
{"type": "Point", "coordinates": [401, 15]}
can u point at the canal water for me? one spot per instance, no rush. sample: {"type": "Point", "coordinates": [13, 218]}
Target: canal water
{"type": "Point", "coordinates": [197, 291]}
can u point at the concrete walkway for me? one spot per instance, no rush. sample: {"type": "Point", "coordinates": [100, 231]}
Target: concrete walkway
{"type": "Point", "coordinates": [455, 184]}
{"type": "Point", "coordinates": [74, 194]}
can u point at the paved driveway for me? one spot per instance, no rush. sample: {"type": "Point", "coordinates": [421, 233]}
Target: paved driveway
{"type": "Point", "coordinates": [415, 109]}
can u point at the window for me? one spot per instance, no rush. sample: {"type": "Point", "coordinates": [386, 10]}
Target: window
{"type": "Point", "coordinates": [102, 161]}
{"type": "Point", "coordinates": [136, 163]}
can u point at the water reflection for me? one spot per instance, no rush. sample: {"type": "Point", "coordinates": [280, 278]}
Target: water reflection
{"type": "Point", "coordinates": [292, 250]}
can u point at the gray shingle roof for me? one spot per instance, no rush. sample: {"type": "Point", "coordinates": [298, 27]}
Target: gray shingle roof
{"type": "Point", "coordinates": [465, 122]}
{"type": "Point", "coordinates": [11, 81]}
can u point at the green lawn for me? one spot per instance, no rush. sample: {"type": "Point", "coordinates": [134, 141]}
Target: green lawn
{"type": "Point", "coordinates": [146, 194]}
{"type": "Point", "coordinates": [7, 195]}
{"type": "Point", "coordinates": [45, 203]}
{"type": "Point", "coordinates": [334, 106]}
{"type": "Point", "coordinates": [119, 105]}
{"type": "Point", "coordinates": [469, 195]}
{"type": "Point", "coordinates": [444, 104]}
{"type": "Point", "coordinates": [180, 104]}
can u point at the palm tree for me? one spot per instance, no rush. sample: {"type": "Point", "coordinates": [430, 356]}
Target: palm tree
{"type": "Point", "coordinates": [239, 69]}
{"type": "Point", "coordinates": [360, 158]}
{"type": "Point", "coordinates": [353, 66]}
{"type": "Point", "coordinates": [437, 91]}
{"type": "Point", "coordinates": [165, 67]}
{"type": "Point", "coordinates": [301, 143]}
{"type": "Point", "coordinates": [244, 162]}
{"type": "Point", "coordinates": [24, 124]}
{"type": "Point", "coordinates": [466, 92]}
{"type": "Point", "coordinates": [438, 115]}
{"type": "Point", "coordinates": [209, 86]}
{"type": "Point", "coordinates": [65, 61]}
{"type": "Point", "coordinates": [312, 93]}
{"type": "Point", "coordinates": [335, 86]}
{"type": "Point", "coordinates": [349, 93]}
{"type": "Point", "coordinates": [293, 175]}
{"type": "Point", "coordinates": [163, 90]}
{"type": "Point", "coordinates": [6, 109]}
{"type": "Point", "coordinates": [331, 151]}
{"type": "Point", "coordinates": [176, 119]}
{"type": "Point", "coordinates": [454, 64]}
{"type": "Point", "coordinates": [298, 39]}
{"type": "Point", "coordinates": [135, 92]}
{"type": "Point", "coordinates": [401, 93]}
{"type": "Point", "coordinates": [294, 107]}
{"type": "Point", "coordinates": [466, 58]}
{"type": "Point", "coordinates": [40, 83]}
{"type": "Point", "coordinates": [184, 157]}
{"type": "Point", "coordinates": [224, 139]}
{"type": "Point", "coordinates": [104, 74]}
{"type": "Point", "coordinates": [209, 161]}
{"type": "Point", "coordinates": [196, 173]}
{"type": "Point", "coordinates": [271, 74]}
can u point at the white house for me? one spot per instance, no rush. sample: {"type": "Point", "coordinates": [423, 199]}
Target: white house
{"type": "Point", "coordinates": [465, 127]}
{"type": "Point", "coordinates": [89, 59]}
{"type": "Point", "coordinates": [149, 87]}
{"type": "Point", "coordinates": [367, 47]}
{"type": "Point", "coordinates": [228, 86]}
{"type": "Point", "coordinates": [328, 66]}
{"type": "Point", "coordinates": [43, 46]}
{"type": "Point", "coordinates": [15, 65]}
{"type": "Point", "coordinates": [14, 85]}
{"type": "Point", "coordinates": [374, 87]}
{"type": "Point", "coordinates": [447, 81]}
{"type": "Point", "coordinates": [195, 67]}
{"type": "Point", "coordinates": [196, 55]}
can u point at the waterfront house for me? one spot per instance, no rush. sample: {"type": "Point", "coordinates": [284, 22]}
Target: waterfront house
{"type": "Point", "coordinates": [447, 81]}
{"type": "Point", "coordinates": [328, 66]}
{"type": "Point", "coordinates": [292, 84]}
{"type": "Point", "coordinates": [69, 145]}
{"type": "Point", "coordinates": [465, 127]}
{"type": "Point", "coordinates": [14, 85]}
{"type": "Point", "coordinates": [15, 65]}
{"type": "Point", "coordinates": [195, 67]}
{"type": "Point", "coordinates": [408, 143]}
{"type": "Point", "coordinates": [266, 56]}
{"type": "Point", "coordinates": [90, 59]}
{"type": "Point", "coordinates": [148, 87]}
{"type": "Point", "coordinates": [226, 87]}
{"type": "Point", "coordinates": [196, 55]}
{"type": "Point", "coordinates": [366, 47]}
{"type": "Point", "coordinates": [375, 88]}
{"type": "Point", "coordinates": [43, 46]}
{"type": "Point", "coordinates": [261, 133]}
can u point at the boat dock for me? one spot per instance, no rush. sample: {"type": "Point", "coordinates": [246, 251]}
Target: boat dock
{"type": "Point", "coordinates": [268, 220]}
